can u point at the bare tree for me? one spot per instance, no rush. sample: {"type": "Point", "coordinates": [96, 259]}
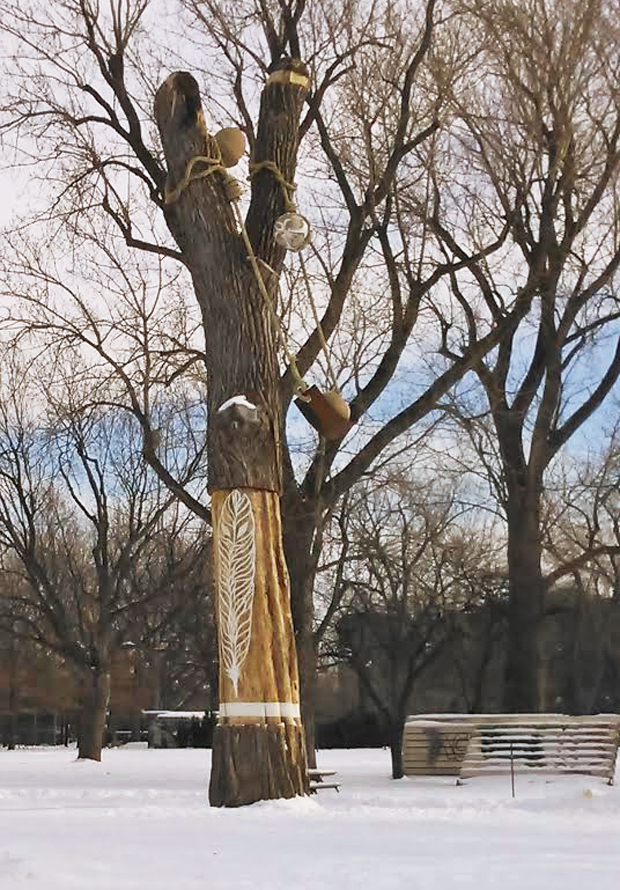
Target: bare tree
{"type": "Point", "coordinates": [80, 517]}
{"type": "Point", "coordinates": [582, 548]}
{"type": "Point", "coordinates": [175, 631]}
{"type": "Point", "coordinates": [126, 337]}
{"type": "Point", "coordinates": [403, 583]}
{"type": "Point", "coordinates": [538, 135]}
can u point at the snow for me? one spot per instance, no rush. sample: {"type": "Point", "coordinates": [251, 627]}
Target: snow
{"type": "Point", "coordinates": [176, 715]}
{"type": "Point", "coordinates": [236, 400]}
{"type": "Point", "coordinates": [140, 821]}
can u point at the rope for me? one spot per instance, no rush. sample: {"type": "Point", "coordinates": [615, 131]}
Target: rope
{"type": "Point", "coordinates": [213, 165]}
{"type": "Point", "coordinates": [233, 191]}
{"type": "Point", "coordinates": [288, 188]}
{"type": "Point", "coordinates": [319, 326]}
{"type": "Point", "coordinates": [301, 386]}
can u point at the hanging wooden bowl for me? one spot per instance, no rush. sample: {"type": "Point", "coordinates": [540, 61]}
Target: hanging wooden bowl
{"type": "Point", "coordinates": [231, 143]}
{"type": "Point", "coordinates": [327, 412]}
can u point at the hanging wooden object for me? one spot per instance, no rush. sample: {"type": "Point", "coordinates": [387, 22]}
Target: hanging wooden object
{"type": "Point", "coordinates": [292, 231]}
{"type": "Point", "coordinates": [231, 143]}
{"type": "Point", "coordinates": [327, 412]}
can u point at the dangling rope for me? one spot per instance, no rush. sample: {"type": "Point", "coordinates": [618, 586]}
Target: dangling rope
{"type": "Point", "coordinates": [301, 387]}
{"type": "Point", "coordinates": [319, 326]}
{"type": "Point", "coordinates": [288, 190]}
{"type": "Point", "coordinates": [233, 192]}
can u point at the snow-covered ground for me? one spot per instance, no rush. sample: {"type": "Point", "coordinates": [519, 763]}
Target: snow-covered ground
{"type": "Point", "coordinates": [140, 821]}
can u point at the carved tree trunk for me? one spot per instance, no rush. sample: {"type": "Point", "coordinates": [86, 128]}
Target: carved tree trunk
{"type": "Point", "coordinates": [258, 748]}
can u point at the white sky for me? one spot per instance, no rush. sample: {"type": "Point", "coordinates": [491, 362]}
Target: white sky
{"type": "Point", "coordinates": [11, 191]}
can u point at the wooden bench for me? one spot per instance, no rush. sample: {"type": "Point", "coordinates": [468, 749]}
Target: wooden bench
{"type": "Point", "coordinates": [570, 745]}
{"type": "Point", "coordinates": [433, 746]}
{"type": "Point", "coordinates": [465, 745]}
{"type": "Point", "coordinates": [317, 780]}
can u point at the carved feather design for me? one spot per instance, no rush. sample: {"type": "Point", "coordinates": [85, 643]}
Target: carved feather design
{"type": "Point", "coordinates": [236, 556]}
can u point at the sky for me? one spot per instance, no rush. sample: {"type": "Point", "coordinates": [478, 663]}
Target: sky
{"type": "Point", "coordinates": [11, 190]}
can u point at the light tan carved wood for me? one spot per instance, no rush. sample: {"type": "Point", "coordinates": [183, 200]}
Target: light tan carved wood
{"type": "Point", "coordinates": [255, 628]}
{"type": "Point", "coordinates": [258, 749]}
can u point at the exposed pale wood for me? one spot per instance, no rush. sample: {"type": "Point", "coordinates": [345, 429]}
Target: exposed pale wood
{"type": "Point", "coordinates": [586, 720]}
{"type": "Point", "coordinates": [436, 751]}
{"type": "Point", "coordinates": [321, 786]}
{"type": "Point", "coordinates": [268, 673]}
{"type": "Point", "coordinates": [601, 773]}
{"type": "Point", "coordinates": [575, 751]}
{"type": "Point", "coordinates": [317, 780]}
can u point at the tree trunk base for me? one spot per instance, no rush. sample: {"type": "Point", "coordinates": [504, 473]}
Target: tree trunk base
{"type": "Point", "coordinates": [396, 754]}
{"type": "Point", "coordinates": [95, 700]}
{"type": "Point", "coordinates": [257, 762]}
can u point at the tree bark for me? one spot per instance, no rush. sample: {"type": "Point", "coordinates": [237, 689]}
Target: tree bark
{"type": "Point", "coordinates": [299, 528]}
{"type": "Point", "coordinates": [488, 642]}
{"type": "Point", "coordinates": [95, 700]}
{"type": "Point", "coordinates": [258, 748]}
{"type": "Point", "coordinates": [526, 602]}
{"type": "Point", "coordinates": [396, 748]}
{"type": "Point", "coordinates": [13, 695]}
{"type": "Point", "coordinates": [11, 741]}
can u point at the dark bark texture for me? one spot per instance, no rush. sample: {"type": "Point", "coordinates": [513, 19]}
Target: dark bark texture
{"type": "Point", "coordinates": [95, 701]}
{"type": "Point", "coordinates": [240, 340]}
{"type": "Point", "coordinates": [239, 329]}
{"type": "Point", "coordinates": [235, 781]}
{"type": "Point", "coordinates": [251, 760]}
{"type": "Point", "coordinates": [396, 748]}
{"type": "Point", "coordinates": [526, 605]}
{"type": "Point", "coordinates": [298, 530]}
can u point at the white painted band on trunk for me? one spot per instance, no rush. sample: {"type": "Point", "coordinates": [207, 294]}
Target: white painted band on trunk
{"type": "Point", "coordinates": [259, 709]}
